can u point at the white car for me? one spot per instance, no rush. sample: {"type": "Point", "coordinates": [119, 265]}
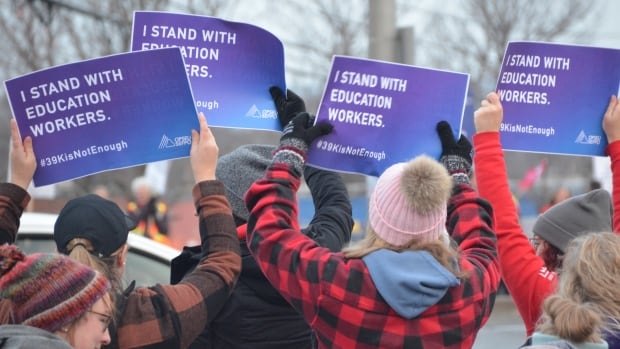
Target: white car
{"type": "Point", "coordinates": [148, 262]}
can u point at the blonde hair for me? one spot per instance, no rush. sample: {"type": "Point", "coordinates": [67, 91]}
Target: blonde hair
{"type": "Point", "coordinates": [82, 250]}
{"type": "Point", "coordinates": [443, 253]}
{"type": "Point", "coordinates": [586, 301]}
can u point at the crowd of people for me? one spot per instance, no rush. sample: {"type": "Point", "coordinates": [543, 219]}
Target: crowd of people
{"type": "Point", "coordinates": [425, 275]}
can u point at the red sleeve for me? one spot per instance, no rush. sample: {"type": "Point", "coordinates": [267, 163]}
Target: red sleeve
{"type": "Point", "coordinates": [613, 150]}
{"type": "Point", "coordinates": [524, 273]}
{"type": "Point", "coordinates": [289, 259]}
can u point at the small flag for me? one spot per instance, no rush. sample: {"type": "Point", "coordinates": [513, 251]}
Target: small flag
{"type": "Point", "coordinates": [532, 175]}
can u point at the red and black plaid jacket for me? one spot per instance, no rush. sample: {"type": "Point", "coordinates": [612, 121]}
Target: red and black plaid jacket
{"type": "Point", "coordinates": [337, 296]}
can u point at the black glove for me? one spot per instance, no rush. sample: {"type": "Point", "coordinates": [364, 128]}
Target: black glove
{"type": "Point", "coordinates": [297, 137]}
{"type": "Point", "coordinates": [455, 156]}
{"type": "Point", "coordinates": [287, 108]}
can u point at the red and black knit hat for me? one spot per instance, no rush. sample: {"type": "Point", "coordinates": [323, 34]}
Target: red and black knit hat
{"type": "Point", "coordinates": [47, 290]}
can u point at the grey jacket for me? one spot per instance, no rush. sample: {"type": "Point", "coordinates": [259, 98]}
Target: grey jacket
{"type": "Point", "coordinates": [27, 337]}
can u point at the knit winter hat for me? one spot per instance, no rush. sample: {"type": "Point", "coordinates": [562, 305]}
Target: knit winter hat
{"type": "Point", "coordinates": [409, 201]}
{"type": "Point", "coordinates": [46, 290]}
{"type": "Point", "coordinates": [575, 216]}
{"type": "Point", "coordinates": [239, 169]}
{"type": "Point", "coordinates": [96, 219]}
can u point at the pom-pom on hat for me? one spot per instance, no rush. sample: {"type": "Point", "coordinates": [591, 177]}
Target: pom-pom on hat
{"type": "Point", "coordinates": [239, 169]}
{"type": "Point", "coordinates": [575, 216]}
{"type": "Point", "coordinates": [46, 290]}
{"type": "Point", "coordinates": [409, 202]}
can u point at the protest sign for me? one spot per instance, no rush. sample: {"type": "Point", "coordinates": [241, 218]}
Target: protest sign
{"type": "Point", "coordinates": [384, 113]}
{"type": "Point", "coordinates": [231, 65]}
{"type": "Point", "coordinates": [554, 97]}
{"type": "Point", "coordinates": [105, 113]}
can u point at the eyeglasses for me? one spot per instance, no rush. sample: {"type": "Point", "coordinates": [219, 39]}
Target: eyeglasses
{"type": "Point", "coordinates": [535, 241]}
{"type": "Point", "coordinates": [107, 318]}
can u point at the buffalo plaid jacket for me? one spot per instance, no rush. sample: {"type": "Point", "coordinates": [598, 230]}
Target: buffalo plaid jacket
{"type": "Point", "coordinates": [172, 316]}
{"type": "Point", "coordinates": [337, 296]}
{"type": "Point", "coordinates": [166, 316]}
{"type": "Point", "coordinates": [13, 201]}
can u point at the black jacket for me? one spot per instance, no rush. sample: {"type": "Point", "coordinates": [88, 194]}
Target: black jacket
{"type": "Point", "coordinates": [255, 315]}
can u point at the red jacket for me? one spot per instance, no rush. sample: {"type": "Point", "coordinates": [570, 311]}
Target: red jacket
{"type": "Point", "coordinates": [524, 273]}
{"type": "Point", "coordinates": [338, 297]}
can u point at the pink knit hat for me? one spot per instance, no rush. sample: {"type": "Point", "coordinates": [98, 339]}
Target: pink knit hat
{"type": "Point", "coordinates": [409, 202]}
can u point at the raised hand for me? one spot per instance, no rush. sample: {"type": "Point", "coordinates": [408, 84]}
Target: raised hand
{"type": "Point", "coordinates": [300, 129]}
{"type": "Point", "coordinates": [488, 118]}
{"type": "Point", "coordinates": [455, 156]}
{"type": "Point", "coordinates": [611, 120]}
{"type": "Point", "coordinates": [287, 108]}
{"type": "Point", "coordinates": [203, 152]}
{"type": "Point", "coordinates": [23, 161]}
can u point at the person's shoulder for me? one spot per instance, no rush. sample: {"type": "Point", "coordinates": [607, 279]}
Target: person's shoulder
{"type": "Point", "coordinates": [21, 336]}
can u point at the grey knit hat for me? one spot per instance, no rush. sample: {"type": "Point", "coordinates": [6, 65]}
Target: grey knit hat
{"type": "Point", "coordinates": [239, 169]}
{"type": "Point", "coordinates": [576, 216]}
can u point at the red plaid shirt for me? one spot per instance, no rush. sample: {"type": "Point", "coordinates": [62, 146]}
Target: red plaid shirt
{"type": "Point", "coordinates": [337, 296]}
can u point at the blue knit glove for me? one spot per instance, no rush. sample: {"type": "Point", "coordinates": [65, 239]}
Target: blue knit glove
{"type": "Point", "coordinates": [296, 139]}
{"type": "Point", "coordinates": [455, 156]}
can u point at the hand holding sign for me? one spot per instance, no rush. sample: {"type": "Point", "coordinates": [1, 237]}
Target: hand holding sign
{"type": "Point", "coordinates": [611, 120]}
{"type": "Point", "coordinates": [488, 118]}
{"type": "Point", "coordinates": [287, 107]}
{"type": "Point", "coordinates": [23, 162]}
{"type": "Point", "coordinates": [203, 152]}
{"type": "Point", "coordinates": [455, 156]}
{"type": "Point", "coordinates": [296, 138]}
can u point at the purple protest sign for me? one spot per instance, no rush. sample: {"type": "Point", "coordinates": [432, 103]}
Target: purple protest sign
{"type": "Point", "coordinates": [554, 97]}
{"type": "Point", "coordinates": [231, 65]}
{"type": "Point", "coordinates": [384, 113]}
{"type": "Point", "coordinates": [105, 113]}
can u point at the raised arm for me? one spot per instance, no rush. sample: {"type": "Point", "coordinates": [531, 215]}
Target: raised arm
{"type": "Point", "coordinates": [470, 218]}
{"type": "Point", "coordinates": [287, 257]}
{"type": "Point", "coordinates": [332, 222]}
{"type": "Point", "coordinates": [13, 195]}
{"type": "Point", "coordinates": [611, 126]}
{"type": "Point", "coordinates": [177, 314]}
{"type": "Point", "coordinates": [522, 270]}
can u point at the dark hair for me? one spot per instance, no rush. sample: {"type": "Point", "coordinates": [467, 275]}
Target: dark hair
{"type": "Point", "coordinates": [552, 256]}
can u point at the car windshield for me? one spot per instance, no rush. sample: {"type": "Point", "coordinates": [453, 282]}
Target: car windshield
{"type": "Point", "coordinates": [147, 269]}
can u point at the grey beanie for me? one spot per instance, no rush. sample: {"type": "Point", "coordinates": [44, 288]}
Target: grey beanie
{"type": "Point", "coordinates": [239, 169]}
{"type": "Point", "coordinates": [575, 216]}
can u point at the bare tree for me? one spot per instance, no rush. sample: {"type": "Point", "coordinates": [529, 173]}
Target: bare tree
{"type": "Point", "coordinates": [44, 33]}
{"type": "Point", "coordinates": [314, 31]}
{"type": "Point", "coordinates": [474, 41]}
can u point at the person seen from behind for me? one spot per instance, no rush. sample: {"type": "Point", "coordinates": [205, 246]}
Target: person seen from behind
{"type": "Point", "coordinates": [51, 301]}
{"type": "Point", "coordinates": [530, 268]}
{"type": "Point", "coordinates": [584, 309]}
{"type": "Point", "coordinates": [94, 231]}
{"type": "Point", "coordinates": [256, 313]}
{"type": "Point", "coordinates": [404, 285]}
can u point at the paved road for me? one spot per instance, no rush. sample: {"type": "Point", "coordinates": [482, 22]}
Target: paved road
{"type": "Point", "coordinates": [504, 329]}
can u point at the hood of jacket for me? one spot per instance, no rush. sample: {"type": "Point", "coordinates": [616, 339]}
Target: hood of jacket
{"type": "Point", "coordinates": [409, 281]}
{"type": "Point", "coordinates": [27, 337]}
